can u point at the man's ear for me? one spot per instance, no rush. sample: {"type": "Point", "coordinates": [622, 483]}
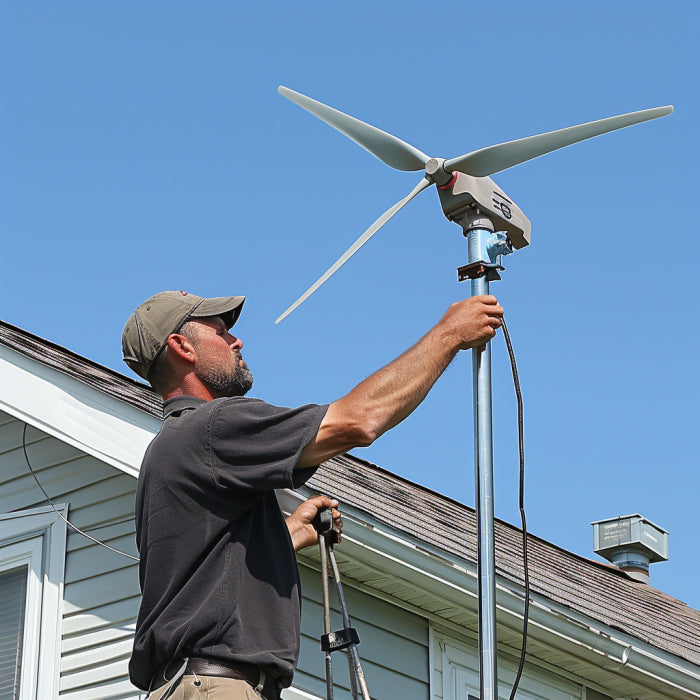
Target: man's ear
{"type": "Point", "coordinates": [181, 348]}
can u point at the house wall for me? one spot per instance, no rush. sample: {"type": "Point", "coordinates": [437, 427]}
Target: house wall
{"type": "Point", "coordinates": [101, 596]}
{"type": "Point", "coordinates": [101, 591]}
{"type": "Point", "coordinates": [394, 645]}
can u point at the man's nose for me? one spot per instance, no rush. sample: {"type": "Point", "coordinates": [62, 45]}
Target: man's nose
{"type": "Point", "coordinates": [235, 343]}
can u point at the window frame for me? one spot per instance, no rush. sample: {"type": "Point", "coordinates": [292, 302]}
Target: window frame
{"type": "Point", "coordinates": [37, 537]}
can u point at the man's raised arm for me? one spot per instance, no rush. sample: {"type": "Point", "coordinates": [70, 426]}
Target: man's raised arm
{"type": "Point", "coordinates": [385, 398]}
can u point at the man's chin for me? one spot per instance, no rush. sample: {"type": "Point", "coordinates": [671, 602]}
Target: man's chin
{"type": "Point", "coordinates": [238, 385]}
{"type": "Point", "coordinates": [243, 384]}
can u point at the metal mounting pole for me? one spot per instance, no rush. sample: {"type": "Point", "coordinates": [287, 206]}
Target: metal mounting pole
{"type": "Point", "coordinates": [483, 468]}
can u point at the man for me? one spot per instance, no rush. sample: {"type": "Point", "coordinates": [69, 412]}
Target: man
{"type": "Point", "coordinates": [221, 601]}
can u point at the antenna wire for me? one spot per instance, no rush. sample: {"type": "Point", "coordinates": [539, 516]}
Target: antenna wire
{"type": "Point", "coordinates": [58, 512]}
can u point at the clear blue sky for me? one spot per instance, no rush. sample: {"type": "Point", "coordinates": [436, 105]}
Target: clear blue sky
{"type": "Point", "coordinates": [144, 147]}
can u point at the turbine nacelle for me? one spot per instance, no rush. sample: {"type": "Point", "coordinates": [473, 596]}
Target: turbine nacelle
{"type": "Point", "coordinates": [466, 197]}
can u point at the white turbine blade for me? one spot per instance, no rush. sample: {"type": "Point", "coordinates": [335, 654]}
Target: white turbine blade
{"type": "Point", "coordinates": [493, 159]}
{"type": "Point", "coordinates": [357, 245]}
{"type": "Point", "coordinates": [389, 149]}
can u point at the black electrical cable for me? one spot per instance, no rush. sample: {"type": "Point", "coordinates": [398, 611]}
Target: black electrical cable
{"type": "Point", "coordinates": [58, 512]}
{"type": "Point", "coordinates": [523, 520]}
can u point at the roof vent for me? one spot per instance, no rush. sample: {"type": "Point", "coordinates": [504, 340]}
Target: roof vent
{"type": "Point", "coordinates": [631, 542]}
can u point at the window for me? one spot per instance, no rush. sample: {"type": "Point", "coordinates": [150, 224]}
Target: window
{"type": "Point", "coordinates": [13, 593]}
{"type": "Point", "coordinates": [459, 668]}
{"type": "Point", "coordinates": [32, 557]}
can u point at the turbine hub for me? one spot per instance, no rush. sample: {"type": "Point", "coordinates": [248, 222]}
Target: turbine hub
{"type": "Point", "coordinates": [435, 170]}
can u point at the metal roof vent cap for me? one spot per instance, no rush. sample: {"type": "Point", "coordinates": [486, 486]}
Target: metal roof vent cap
{"type": "Point", "coordinates": [631, 542]}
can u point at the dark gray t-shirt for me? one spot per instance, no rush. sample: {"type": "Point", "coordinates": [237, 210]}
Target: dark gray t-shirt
{"type": "Point", "coordinates": [218, 571]}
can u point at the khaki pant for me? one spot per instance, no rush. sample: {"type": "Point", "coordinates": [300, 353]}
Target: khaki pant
{"type": "Point", "coordinates": [211, 688]}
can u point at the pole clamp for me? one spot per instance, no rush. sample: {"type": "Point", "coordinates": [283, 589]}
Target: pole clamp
{"type": "Point", "coordinates": [335, 641]}
{"type": "Point", "coordinates": [479, 269]}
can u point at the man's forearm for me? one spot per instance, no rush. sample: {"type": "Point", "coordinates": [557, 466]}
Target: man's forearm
{"type": "Point", "coordinates": [388, 396]}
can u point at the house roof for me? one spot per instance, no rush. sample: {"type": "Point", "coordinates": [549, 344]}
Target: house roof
{"type": "Point", "coordinates": [598, 591]}
{"type": "Point", "coordinates": [108, 381]}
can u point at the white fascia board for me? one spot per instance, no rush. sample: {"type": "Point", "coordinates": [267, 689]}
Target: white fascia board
{"type": "Point", "coordinates": [73, 412]}
{"type": "Point", "coordinates": [455, 580]}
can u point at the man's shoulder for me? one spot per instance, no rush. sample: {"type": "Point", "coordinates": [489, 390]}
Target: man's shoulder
{"type": "Point", "coordinates": [242, 410]}
{"type": "Point", "coordinates": [228, 416]}
{"type": "Point", "coordinates": [190, 406]}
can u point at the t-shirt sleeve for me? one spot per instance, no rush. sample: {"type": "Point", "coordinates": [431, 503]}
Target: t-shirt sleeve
{"type": "Point", "coordinates": [255, 446]}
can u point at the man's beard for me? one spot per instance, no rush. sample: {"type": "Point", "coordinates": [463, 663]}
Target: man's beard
{"type": "Point", "coordinates": [237, 382]}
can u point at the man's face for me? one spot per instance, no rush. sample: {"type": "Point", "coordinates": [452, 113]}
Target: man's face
{"type": "Point", "coordinates": [219, 365]}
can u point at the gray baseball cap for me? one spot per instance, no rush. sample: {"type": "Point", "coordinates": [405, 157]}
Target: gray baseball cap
{"type": "Point", "coordinates": [147, 330]}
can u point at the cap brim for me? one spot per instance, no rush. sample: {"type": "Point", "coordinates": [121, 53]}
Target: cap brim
{"type": "Point", "coordinates": [229, 308]}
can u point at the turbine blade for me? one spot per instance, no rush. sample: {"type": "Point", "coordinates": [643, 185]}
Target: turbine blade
{"type": "Point", "coordinates": [493, 159]}
{"type": "Point", "coordinates": [357, 245]}
{"type": "Point", "coordinates": [389, 149]}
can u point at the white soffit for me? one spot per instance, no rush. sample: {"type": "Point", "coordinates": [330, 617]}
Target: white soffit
{"type": "Point", "coordinates": [69, 410]}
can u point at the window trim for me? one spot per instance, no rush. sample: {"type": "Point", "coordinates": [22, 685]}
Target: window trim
{"type": "Point", "coordinates": [42, 534]}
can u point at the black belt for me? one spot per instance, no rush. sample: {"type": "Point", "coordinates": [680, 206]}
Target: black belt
{"type": "Point", "coordinates": [223, 669]}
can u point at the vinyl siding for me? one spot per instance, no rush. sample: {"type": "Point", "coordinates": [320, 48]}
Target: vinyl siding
{"type": "Point", "coordinates": [101, 593]}
{"type": "Point", "coordinates": [393, 645]}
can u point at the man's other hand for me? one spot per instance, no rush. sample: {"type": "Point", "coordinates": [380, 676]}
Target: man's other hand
{"type": "Point", "coordinates": [303, 533]}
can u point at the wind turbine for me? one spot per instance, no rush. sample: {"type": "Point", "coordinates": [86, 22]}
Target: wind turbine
{"type": "Point", "coordinates": [493, 225]}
